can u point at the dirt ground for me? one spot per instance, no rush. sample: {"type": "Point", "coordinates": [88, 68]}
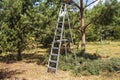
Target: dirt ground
{"type": "Point", "coordinates": [32, 71]}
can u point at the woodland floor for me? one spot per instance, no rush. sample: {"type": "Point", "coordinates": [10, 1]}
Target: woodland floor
{"type": "Point", "coordinates": [32, 67]}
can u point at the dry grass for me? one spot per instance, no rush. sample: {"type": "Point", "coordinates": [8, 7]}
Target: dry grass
{"type": "Point", "coordinates": [29, 69]}
{"type": "Point", "coordinates": [108, 49]}
{"type": "Point", "coordinates": [32, 71]}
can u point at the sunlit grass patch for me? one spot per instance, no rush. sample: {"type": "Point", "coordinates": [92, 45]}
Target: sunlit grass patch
{"type": "Point", "coordinates": [109, 50]}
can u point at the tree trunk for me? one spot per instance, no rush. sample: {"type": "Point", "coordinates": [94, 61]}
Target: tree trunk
{"type": "Point", "coordinates": [19, 51]}
{"type": "Point", "coordinates": [101, 40]}
{"type": "Point", "coordinates": [19, 55]}
{"type": "Point", "coordinates": [83, 42]}
{"type": "Point", "coordinates": [83, 37]}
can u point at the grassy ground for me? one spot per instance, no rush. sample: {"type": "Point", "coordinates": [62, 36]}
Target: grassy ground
{"type": "Point", "coordinates": [107, 49]}
{"type": "Point", "coordinates": [32, 67]}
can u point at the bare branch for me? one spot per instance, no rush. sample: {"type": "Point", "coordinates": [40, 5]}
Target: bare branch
{"type": "Point", "coordinates": [85, 27]}
{"type": "Point", "coordinates": [88, 25]}
{"type": "Point", "coordinates": [76, 4]}
{"type": "Point", "coordinates": [90, 3]}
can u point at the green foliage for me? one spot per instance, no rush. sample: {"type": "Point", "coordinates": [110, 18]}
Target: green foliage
{"type": "Point", "coordinates": [66, 63]}
{"type": "Point", "coordinates": [86, 66]}
{"type": "Point", "coordinates": [45, 22]}
{"type": "Point", "coordinates": [117, 32]}
{"type": "Point", "coordinates": [15, 25]}
{"type": "Point", "coordinates": [19, 21]}
{"type": "Point", "coordinates": [105, 19]}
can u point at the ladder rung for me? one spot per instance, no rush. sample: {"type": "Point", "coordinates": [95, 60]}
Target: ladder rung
{"type": "Point", "coordinates": [55, 48]}
{"type": "Point", "coordinates": [57, 41]}
{"type": "Point", "coordinates": [61, 40]}
{"type": "Point", "coordinates": [53, 54]}
{"type": "Point", "coordinates": [60, 22]}
{"type": "Point", "coordinates": [64, 40]}
{"type": "Point", "coordinates": [58, 34]}
{"type": "Point", "coordinates": [59, 28]}
{"type": "Point", "coordinates": [53, 61]}
{"type": "Point", "coordinates": [52, 67]}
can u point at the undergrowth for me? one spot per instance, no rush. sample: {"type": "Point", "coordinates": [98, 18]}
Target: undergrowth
{"type": "Point", "coordinates": [89, 66]}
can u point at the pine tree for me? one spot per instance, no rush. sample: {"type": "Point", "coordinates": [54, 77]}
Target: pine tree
{"type": "Point", "coordinates": [15, 26]}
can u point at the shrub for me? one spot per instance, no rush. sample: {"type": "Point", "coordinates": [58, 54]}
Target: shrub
{"type": "Point", "coordinates": [86, 66]}
{"type": "Point", "coordinates": [66, 64]}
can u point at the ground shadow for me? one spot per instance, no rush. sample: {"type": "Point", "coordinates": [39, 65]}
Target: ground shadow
{"type": "Point", "coordinates": [7, 74]}
{"type": "Point", "coordinates": [10, 58]}
{"type": "Point", "coordinates": [90, 56]}
{"type": "Point", "coordinates": [35, 58]}
{"type": "Point", "coordinates": [40, 59]}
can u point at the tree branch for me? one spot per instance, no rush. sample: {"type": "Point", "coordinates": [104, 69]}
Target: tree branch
{"type": "Point", "coordinates": [87, 25]}
{"type": "Point", "coordinates": [76, 4]}
{"type": "Point", "coordinates": [90, 3]}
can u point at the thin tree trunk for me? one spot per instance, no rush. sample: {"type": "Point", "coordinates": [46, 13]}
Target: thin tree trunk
{"type": "Point", "coordinates": [19, 47]}
{"type": "Point", "coordinates": [19, 55]}
{"type": "Point", "coordinates": [83, 37]}
{"type": "Point", "coordinates": [101, 38]}
{"type": "Point", "coordinates": [83, 42]}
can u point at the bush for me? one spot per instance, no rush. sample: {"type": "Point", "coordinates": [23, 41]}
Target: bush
{"type": "Point", "coordinates": [66, 64]}
{"type": "Point", "coordinates": [87, 66]}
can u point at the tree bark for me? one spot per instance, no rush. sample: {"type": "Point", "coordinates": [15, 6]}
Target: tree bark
{"type": "Point", "coordinates": [83, 37]}
{"type": "Point", "coordinates": [19, 55]}
{"type": "Point", "coordinates": [19, 47]}
{"type": "Point", "coordinates": [83, 42]}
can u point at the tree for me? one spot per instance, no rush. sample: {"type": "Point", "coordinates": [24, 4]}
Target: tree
{"type": "Point", "coordinates": [108, 18]}
{"type": "Point", "coordinates": [15, 26]}
{"type": "Point", "coordinates": [83, 27]}
{"type": "Point", "coordinates": [22, 21]}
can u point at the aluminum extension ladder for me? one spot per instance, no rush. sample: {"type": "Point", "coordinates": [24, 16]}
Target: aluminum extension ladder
{"type": "Point", "coordinates": [59, 37]}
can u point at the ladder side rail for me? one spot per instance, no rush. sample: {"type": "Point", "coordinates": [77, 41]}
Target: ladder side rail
{"type": "Point", "coordinates": [71, 36]}
{"type": "Point", "coordinates": [66, 53]}
{"type": "Point", "coordinates": [60, 41]}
